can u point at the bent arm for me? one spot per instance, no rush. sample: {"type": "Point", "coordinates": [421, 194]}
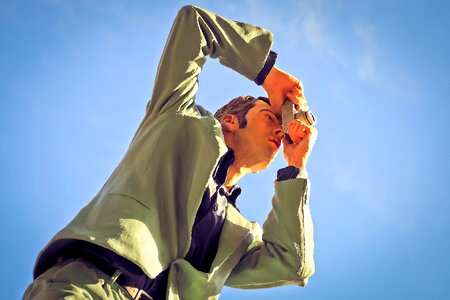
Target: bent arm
{"type": "Point", "coordinates": [195, 34]}
{"type": "Point", "coordinates": [284, 254]}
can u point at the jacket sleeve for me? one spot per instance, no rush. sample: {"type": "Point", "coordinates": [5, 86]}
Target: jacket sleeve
{"type": "Point", "coordinates": [284, 254]}
{"type": "Point", "coordinates": [195, 34]}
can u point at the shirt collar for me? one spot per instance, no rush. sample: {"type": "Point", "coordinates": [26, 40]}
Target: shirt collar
{"type": "Point", "coordinates": [220, 176]}
{"type": "Point", "coordinates": [221, 171]}
{"type": "Point", "coordinates": [231, 195]}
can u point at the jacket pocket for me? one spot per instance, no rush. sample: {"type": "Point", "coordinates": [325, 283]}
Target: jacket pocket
{"type": "Point", "coordinates": [186, 282]}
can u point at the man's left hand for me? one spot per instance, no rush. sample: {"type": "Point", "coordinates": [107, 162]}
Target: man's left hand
{"type": "Point", "coordinates": [280, 85]}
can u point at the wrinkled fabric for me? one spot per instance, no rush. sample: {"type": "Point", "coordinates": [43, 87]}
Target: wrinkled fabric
{"type": "Point", "coordinates": [146, 210]}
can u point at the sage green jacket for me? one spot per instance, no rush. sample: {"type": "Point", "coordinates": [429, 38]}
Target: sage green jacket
{"type": "Point", "coordinates": [146, 209]}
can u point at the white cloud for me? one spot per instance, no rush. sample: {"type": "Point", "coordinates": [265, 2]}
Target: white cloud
{"type": "Point", "coordinates": [320, 34]}
{"type": "Point", "coordinates": [366, 67]}
{"type": "Point", "coordinates": [313, 31]}
{"type": "Point", "coordinates": [307, 23]}
{"type": "Point", "coordinates": [348, 181]}
{"type": "Point", "coordinates": [365, 64]}
{"type": "Point", "coordinates": [357, 181]}
{"type": "Point", "coordinates": [366, 33]}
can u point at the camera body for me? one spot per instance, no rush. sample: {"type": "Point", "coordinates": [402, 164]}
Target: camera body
{"type": "Point", "coordinates": [289, 113]}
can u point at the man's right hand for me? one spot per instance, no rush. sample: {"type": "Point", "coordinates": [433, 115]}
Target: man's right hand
{"type": "Point", "coordinates": [303, 138]}
{"type": "Point", "coordinates": [280, 85]}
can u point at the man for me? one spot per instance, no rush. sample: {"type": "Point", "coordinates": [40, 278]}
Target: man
{"type": "Point", "coordinates": [166, 224]}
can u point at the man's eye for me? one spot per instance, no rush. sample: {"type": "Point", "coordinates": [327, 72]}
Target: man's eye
{"type": "Point", "coordinates": [268, 117]}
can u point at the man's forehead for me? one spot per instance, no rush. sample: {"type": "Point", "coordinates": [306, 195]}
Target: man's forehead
{"type": "Point", "coordinates": [263, 106]}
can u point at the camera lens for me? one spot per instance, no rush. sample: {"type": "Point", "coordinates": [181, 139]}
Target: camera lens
{"type": "Point", "coordinates": [306, 117]}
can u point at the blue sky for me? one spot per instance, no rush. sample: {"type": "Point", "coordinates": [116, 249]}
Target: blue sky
{"type": "Point", "coordinates": [75, 77]}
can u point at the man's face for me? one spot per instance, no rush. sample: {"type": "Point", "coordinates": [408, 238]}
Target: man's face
{"type": "Point", "coordinates": [260, 140]}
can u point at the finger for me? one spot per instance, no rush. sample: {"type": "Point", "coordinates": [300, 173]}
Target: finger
{"type": "Point", "coordinates": [298, 93]}
{"type": "Point", "coordinates": [302, 103]}
{"type": "Point", "coordinates": [299, 85]}
{"type": "Point", "coordinates": [298, 90]}
{"type": "Point", "coordinates": [309, 130]}
{"type": "Point", "coordinates": [302, 132]}
{"type": "Point", "coordinates": [293, 126]}
{"type": "Point", "coordinates": [292, 132]}
{"type": "Point", "coordinates": [294, 98]}
{"type": "Point", "coordinates": [295, 131]}
{"type": "Point", "coordinates": [303, 106]}
{"type": "Point", "coordinates": [304, 127]}
{"type": "Point", "coordinates": [299, 100]}
{"type": "Point", "coordinates": [310, 135]}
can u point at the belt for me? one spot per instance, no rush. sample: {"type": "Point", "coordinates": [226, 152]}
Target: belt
{"type": "Point", "coordinates": [134, 281]}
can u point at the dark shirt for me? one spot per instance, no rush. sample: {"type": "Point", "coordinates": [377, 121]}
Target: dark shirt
{"type": "Point", "coordinates": [210, 216]}
{"type": "Point", "coordinates": [207, 225]}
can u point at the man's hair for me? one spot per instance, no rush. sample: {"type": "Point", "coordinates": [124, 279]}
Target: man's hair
{"type": "Point", "coordinates": [239, 107]}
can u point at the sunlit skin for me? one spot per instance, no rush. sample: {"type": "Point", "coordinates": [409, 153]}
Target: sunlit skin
{"type": "Point", "coordinates": [280, 85]}
{"type": "Point", "coordinates": [256, 145]}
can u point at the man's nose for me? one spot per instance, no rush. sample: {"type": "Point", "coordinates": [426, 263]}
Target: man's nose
{"type": "Point", "coordinates": [279, 132]}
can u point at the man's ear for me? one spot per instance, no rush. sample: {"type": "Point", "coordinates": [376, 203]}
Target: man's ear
{"type": "Point", "coordinates": [229, 123]}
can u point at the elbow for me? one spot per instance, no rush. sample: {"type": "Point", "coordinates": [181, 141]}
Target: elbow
{"type": "Point", "coordinates": [185, 14]}
{"type": "Point", "coordinates": [305, 273]}
{"type": "Point", "coordinates": [186, 10]}
{"type": "Point", "coordinates": [303, 280]}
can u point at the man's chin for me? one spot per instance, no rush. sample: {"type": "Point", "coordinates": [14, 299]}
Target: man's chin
{"type": "Point", "coordinates": [263, 165]}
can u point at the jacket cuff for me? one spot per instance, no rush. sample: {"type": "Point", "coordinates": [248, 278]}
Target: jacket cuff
{"type": "Point", "coordinates": [291, 172]}
{"type": "Point", "coordinates": [270, 62]}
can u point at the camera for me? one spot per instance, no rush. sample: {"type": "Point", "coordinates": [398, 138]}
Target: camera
{"type": "Point", "coordinates": [289, 113]}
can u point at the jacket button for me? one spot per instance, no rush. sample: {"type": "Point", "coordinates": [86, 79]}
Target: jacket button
{"type": "Point", "coordinates": [216, 207]}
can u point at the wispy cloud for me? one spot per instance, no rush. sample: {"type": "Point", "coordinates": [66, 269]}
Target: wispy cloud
{"type": "Point", "coordinates": [366, 67]}
{"type": "Point", "coordinates": [320, 34]}
{"type": "Point", "coordinates": [316, 33]}
{"type": "Point", "coordinates": [365, 63]}
{"type": "Point", "coordinates": [307, 23]}
{"type": "Point", "coordinates": [356, 180]}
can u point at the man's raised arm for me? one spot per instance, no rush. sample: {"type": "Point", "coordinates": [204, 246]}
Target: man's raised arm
{"type": "Point", "coordinates": [195, 34]}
